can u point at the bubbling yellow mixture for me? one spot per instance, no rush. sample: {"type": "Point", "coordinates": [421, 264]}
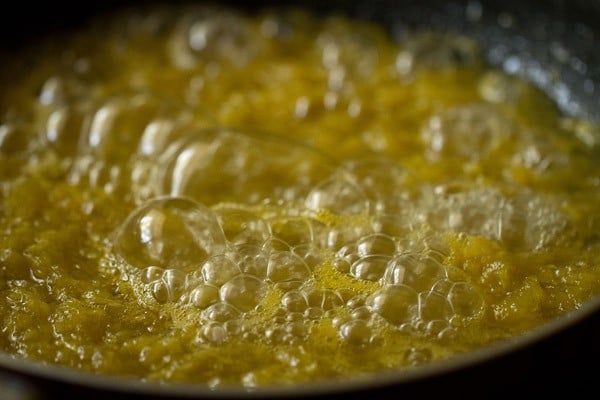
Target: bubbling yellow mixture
{"type": "Point", "coordinates": [198, 195]}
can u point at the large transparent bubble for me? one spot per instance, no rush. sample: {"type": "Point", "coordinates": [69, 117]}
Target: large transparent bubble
{"type": "Point", "coordinates": [225, 165]}
{"type": "Point", "coordinates": [169, 233]}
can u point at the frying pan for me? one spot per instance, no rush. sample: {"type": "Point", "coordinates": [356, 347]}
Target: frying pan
{"type": "Point", "coordinates": [538, 40]}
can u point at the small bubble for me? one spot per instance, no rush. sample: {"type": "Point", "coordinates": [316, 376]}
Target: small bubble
{"type": "Point", "coordinates": [278, 26]}
{"type": "Point", "coordinates": [417, 271]}
{"type": "Point", "coordinates": [223, 35]}
{"type": "Point", "coordinates": [288, 285]}
{"type": "Point", "coordinates": [277, 335]}
{"type": "Point", "coordinates": [233, 327]}
{"type": "Point", "coordinates": [166, 287]}
{"type": "Point", "coordinates": [160, 291]}
{"type": "Point", "coordinates": [219, 269]}
{"type": "Point", "coordinates": [371, 268]}
{"type": "Point", "coordinates": [294, 317]}
{"type": "Point", "coordinates": [322, 298]}
{"type": "Point", "coordinates": [336, 322]}
{"type": "Point", "coordinates": [64, 127]}
{"type": "Point", "coordinates": [243, 292]}
{"type": "Point", "coordinates": [127, 115]}
{"type": "Point", "coordinates": [355, 302]}
{"type": "Point", "coordinates": [362, 312]}
{"type": "Point", "coordinates": [155, 137]}
{"type": "Point", "coordinates": [284, 266]}
{"type": "Point", "coordinates": [309, 253]}
{"type": "Point", "coordinates": [335, 81]}
{"type": "Point", "coordinates": [435, 327]}
{"type": "Point", "coordinates": [376, 244]}
{"type": "Point", "coordinates": [279, 315]}
{"type": "Point", "coordinates": [203, 296]}
{"type": "Point", "coordinates": [193, 279]}
{"type": "Point", "coordinates": [174, 277]}
{"type": "Point", "coordinates": [587, 132]}
{"type": "Point", "coordinates": [343, 235]}
{"type": "Point", "coordinates": [292, 230]}
{"type": "Point", "coordinates": [356, 332]}
{"type": "Point", "coordinates": [151, 274]}
{"type": "Point", "coordinates": [273, 245]}
{"type": "Point", "coordinates": [442, 286]}
{"type": "Point", "coordinates": [348, 253]}
{"type": "Point", "coordinates": [242, 227]}
{"type": "Point", "coordinates": [250, 259]}
{"type": "Point", "coordinates": [220, 312]}
{"type": "Point", "coordinates": [313, 312]}
{"type": "Point", "coordinates": [214, 333]}
{"type": "Point", "coordinates": [175, 281]}
{"type": "Point", "coordinates": [434, 306]}
{"type": "Point", "coordinates": [342, 265]}
{"type": "Point", "coordinates": [296, 328]}
{"type": "Point", "coordinates": [447, 335]}
{"type": "Point", "coordinates": [53, 91]}
{"type": "Point", "coordinates": [398, 304]}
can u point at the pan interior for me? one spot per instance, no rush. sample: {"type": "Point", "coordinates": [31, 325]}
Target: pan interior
{"type": "Point", "coordinates": [409, 197]}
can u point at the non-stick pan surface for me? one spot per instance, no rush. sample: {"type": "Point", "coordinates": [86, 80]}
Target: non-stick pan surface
{"type": "Point", "coordinates": [551, 43]}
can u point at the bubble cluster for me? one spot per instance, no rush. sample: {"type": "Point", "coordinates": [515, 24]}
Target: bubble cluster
{"type": "Point", "coordinates": [517, 220]}
{"type": "Point", "coordinates": [471, 131]}
{"type": "Point", "coordinates": [246, 250]}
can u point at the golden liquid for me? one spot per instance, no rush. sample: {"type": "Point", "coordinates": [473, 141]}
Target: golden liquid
{"type": "Point", "coordinates": [206, 197]}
